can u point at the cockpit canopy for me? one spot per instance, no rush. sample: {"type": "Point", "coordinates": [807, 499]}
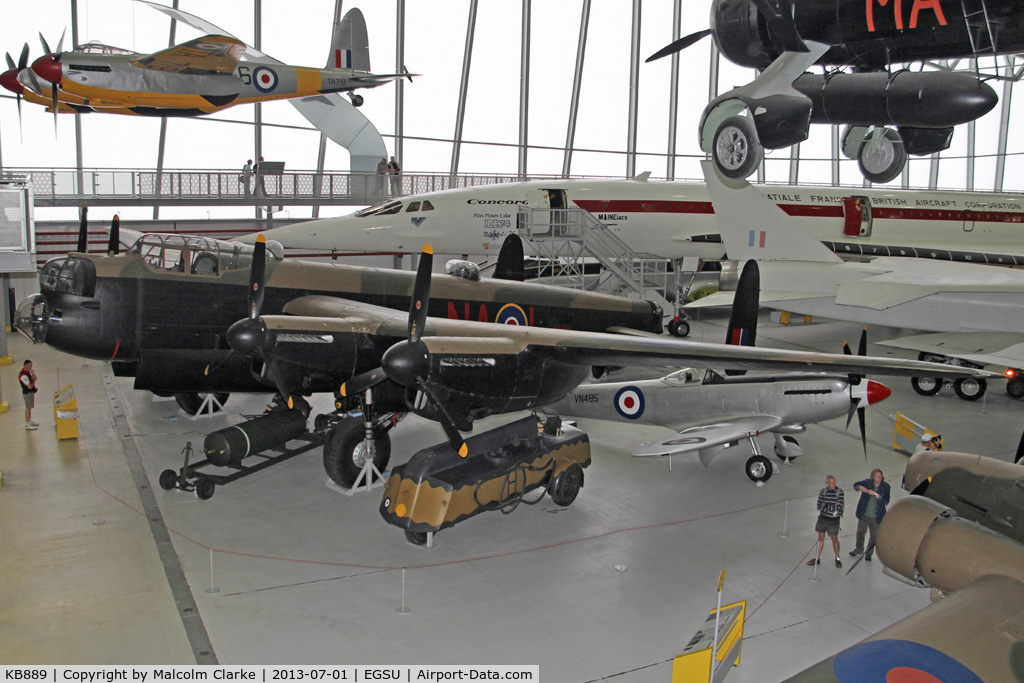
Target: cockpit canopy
{"type": "Point", "coordinates": [204, 255]}
{"type": "Point", "coordinates": [684, 376]}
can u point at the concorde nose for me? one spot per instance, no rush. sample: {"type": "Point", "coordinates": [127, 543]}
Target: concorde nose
{"type": "Point", "coordinates": [9, 80]}
{"type": "Point", "coordinates": [48, 68]}
{"type": "Point", "coordinates": [877, 392]}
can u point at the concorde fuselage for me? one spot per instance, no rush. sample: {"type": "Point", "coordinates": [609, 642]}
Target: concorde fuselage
{"type": "Point", "coordinates": [675, 219]}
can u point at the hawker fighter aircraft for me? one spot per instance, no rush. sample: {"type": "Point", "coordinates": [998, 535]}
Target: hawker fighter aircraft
{"type": "Point", "coordinates": [888, 112]}
{"type": "Point", "coordinates": [194, 78]}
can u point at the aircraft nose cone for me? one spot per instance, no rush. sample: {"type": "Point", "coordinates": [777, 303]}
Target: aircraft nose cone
{"type": "Point", "coordinates": [9, 80]}
{"type": "Point", "coordinates": [877, 392]}
{"type": "Point", "coordinates": [48, 69]}
{"type": "Point", "coordinates": [246, 337]}
{"type": "Point", "coordinates": [32, 318]}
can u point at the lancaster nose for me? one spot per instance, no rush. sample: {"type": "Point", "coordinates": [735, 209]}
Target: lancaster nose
{"type": "Point", "coordinates": [48, 68]}
{"type": "Point", "coordinates": [877, 392]}
{"type": "Point", "coordinates": [32, 318]}
{"type": "Point", "coordinates": [9, 80]}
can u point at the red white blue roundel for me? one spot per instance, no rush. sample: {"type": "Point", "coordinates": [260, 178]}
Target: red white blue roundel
{"type": "Point", "coordinates": [264, 78]}
{"type": "Point", "coordinates": [899, 661]}
{"type": "Point", "coordinates": [629, 402]}
{"type": "Point", "coordinates": [510, 314]}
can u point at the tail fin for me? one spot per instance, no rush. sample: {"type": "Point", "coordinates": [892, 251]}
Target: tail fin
{"type": "Point", "coordinates": [350, 47]}
{"type": "Point", "coordinates": [754, 227]}
{"type": "Point", "coordinates": [742, 329]}
{"type": "Point", "coordinates": [510, 260]}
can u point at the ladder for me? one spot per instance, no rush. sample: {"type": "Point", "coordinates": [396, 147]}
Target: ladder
{"type": "Point", "coordinates": [566, 241]}
{"type": "Point", "coordinates": [979, 28]}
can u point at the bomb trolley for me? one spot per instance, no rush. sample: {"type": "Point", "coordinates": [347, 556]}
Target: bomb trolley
{"type": "Point", "coordinates": [257, 437]}
{"type": "Point", "coordinates": [438, 489]}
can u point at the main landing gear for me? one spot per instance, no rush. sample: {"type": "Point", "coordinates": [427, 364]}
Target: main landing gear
{"type": "Point", "coordinates": [968, 388]}
{"type": "Point", "coordinates": [759, 468]}
{"type": "Point", "coordinates": [353, 441]}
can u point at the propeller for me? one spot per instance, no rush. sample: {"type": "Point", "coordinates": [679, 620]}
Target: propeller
{"type": "Point", "coordinates": [9, 79]}
{"type": "Point", "coordinates": [863, 394]}
{"type": "Point", "coordinates": [408, 362]}
{"type": "Point", "coordinates": [83, 230]}
{"type": "Point", "coordinates": [48, 67]}
{"type": "Point", "coordinates": [679, 45]}
{"type": "Point", "coordinates": [114, 245]}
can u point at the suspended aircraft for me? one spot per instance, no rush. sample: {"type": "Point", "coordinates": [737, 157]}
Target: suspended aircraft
{"type": "Point", "coordinates": [972, 631]}
{"type": "Point", "coordinates": [674, 220]}
{"type": "Point", "coordinates": [888, 112]}
{"type": "Point", "coordinates": [455, 371]}
{"type": "Point", "coordinates": [713, 411]}
{"type": "Point", "coordinates": [198, 77]}
{"type": "Point", "coordinates": [800, 275]}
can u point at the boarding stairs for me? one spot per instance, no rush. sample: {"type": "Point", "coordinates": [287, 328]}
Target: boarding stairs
{"type": "Point", "coordinates": [565, 241]}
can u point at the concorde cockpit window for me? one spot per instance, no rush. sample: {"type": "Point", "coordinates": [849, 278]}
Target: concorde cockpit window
{"type": "Point", "coordinates": [69, 276]}
{"type": "Point", "coordinates": [382, 209]}
{"type": "Point", "coordinates": [427, 206]}
{"type": "Point", "coordinates": [196, 255]}
{"type": "Point", "coordinates": [413, 206]}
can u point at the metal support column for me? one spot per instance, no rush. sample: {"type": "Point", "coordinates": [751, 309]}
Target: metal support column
{"type": "Point", "coordinates": [163, 127]}
{"type": "Point", "coordinates": [634, 90]}
{"type": "Point", "coordinates": [524, 89]}
{"type": "Point", "coordinates": [460, 114]}
{"type": "Point", "coordinates": [258, 108]}
{"type": "Point", "coordinates": [1004, 130]}
{"type": "Point", "coordinates": [318, 179]}
{"type": "Point", "coordinates": [78, 117]}
{"type": "Point", "coordinates": [794, 164]}
{"type": "Point", "coordinates": [577, 82]}
{"type": "Point", "coordinates": [933, 172]}
{"type": "Point", "coordinates": [835, 155]}
{"type": "Point", "coordinates": [399, 147]}
{"type": "Point", "coordinates": [971, 136]}
{"type": "Point", "coordinates": [673, 92]}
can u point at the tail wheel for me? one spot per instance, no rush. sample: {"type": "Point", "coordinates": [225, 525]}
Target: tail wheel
{"type": "Point", "coordinates": [735, 148]}
{"type": "Point", "coordinates": [759, 468]}
{"type": "Point", "coordinates": [566, 486]}
{"type": "Point", "coordinates": [970, 389]}
{"type": "Point", "coordinates": [926, 386]}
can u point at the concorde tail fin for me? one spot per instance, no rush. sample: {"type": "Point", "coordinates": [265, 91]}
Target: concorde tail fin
{"type": "Point", "coordinates": [350, 47]}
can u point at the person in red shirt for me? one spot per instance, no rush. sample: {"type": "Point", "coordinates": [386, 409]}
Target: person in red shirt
{"type": "Point", "coordinates": [27, 379]}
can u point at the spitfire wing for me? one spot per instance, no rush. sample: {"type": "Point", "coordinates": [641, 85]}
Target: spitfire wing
{"type": "Point", "coordinates": [463, 337]}
{"type": "Point", "coordinates": [705, 437]}
{"type": "Point", "coordinates": [970, 635]}
{"type": "Point", "coordinates": [983, 348]}
{"type": "Point", "coordinates": [209, 54]}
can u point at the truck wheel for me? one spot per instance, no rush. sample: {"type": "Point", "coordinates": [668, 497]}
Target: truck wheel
{"type": "Point", "coordinates": [970, 389]}
{"type": "Point", "coordinates": [566, 486]}
{"type": "Point", "coordinates": [416, 537]}
{"type": "Point", "coordinates": [344, 452]}
{"type": "Point", "coordinates": [735, 148]}
{"type": "Point", "coordinates": [1015, 387]}
{"type": "Point", "coordinates": [759, 468]}
{"type": "Point", "coordinates": [204, 488]}
{"type": "Point", "coordinates": [882, 160]}
{"type": "Point", "coordinates": [191, 401]}
{"type": "Point", "coordinates": [926, 386]}
{"type": "Point", "coordinates": [168, 478]}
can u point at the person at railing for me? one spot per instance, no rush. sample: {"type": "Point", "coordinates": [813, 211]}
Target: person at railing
{"type": "Point", "coordinates": [395, 171]}
{"type": "Point", "coordinates": [382, 169]}
{"type": "Point", "coordinates": [246, 177]}
{"type": "Point", "coordinates": [261, 188]}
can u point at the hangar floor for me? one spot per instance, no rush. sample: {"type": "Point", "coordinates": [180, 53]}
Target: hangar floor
{"type": "Point", "coordinates": [306, 575]}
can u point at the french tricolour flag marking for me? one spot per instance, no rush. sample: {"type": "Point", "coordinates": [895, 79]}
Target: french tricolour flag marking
{"type": "Point", "coordinates": [757, 238]}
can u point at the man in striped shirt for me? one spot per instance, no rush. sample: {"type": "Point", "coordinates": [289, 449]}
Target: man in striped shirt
{"type": "Point", "coordinates": [831, 501]}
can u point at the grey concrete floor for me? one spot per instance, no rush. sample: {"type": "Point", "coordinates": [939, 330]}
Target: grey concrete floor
{"type": "Point", "coordinates": [306, 575]}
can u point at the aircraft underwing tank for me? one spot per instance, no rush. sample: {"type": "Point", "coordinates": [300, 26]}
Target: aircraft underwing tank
{"type": "Point", "coordinates": [438, 489]}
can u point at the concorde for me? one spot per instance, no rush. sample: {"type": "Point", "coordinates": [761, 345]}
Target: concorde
{"type": "Point", "coordinates": [676, 219]}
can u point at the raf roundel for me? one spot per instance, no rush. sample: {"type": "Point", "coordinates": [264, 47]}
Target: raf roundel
{"type": "Point", "coordinates": [629, 402]}
{"type": "Point", "coordinates": [265, 79]}
{"type": "Point", "coordinates": [510, 314]}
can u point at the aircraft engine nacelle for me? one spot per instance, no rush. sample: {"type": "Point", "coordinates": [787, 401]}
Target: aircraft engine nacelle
{"type": "Point", "coordinates": [925, 542]}
{"type": "Point", "coordinates": [741, 34]}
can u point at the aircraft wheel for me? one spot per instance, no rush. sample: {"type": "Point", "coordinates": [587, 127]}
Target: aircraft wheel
{"type": "Point", "coordinates": [882, 160]}
{"type": "Point", "coordinates": [204, 488]}
{"type": "Point", "coordinates": [345, 452]}
{"type": "Point", "coordinates": [168, 478]}
{"type": "Point", "coordinates": [163, 394]}
{"type": "Point", "coordinates": [357, 101]}
{"type": "Point", "coordinates": [416, 537]}
{"type": "Point", "coordinates": [970, 389]}
{"type": "Point", "coordinates": [759, 468]}
{"type": "Point", "coordinates": [679, 328]}
{"type": "Point", "coordinates": [1015, 387]}
{"type": "Point", "coordinates": [566, 486]}
{"type": "Point", "coordinates": [191, 401]}
{"type": "Point", "coordinates": [736, 149]}
{"type": "Point", "coordinates": [926, 386]}
{"type": "Point", "coordinates": [784, 458]}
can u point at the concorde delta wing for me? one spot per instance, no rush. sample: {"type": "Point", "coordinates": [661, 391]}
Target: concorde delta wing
{"type": "Point", "coordinates": [983, 348]}
{"type": "Point", "coordinates": [708, 438]}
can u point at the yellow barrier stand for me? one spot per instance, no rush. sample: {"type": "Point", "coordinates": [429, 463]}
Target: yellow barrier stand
{"type": "Point", "coordinates": [720, 638]}
{"type": "Point", "coordinates": [65, 413]}
{"type": "Point", "coordinates": [908, 434]}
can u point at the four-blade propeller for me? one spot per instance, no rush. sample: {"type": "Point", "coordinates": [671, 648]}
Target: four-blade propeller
{"type": "Point", "coordinates": [9, 79]}
{"type": "Point", "coordinates": [863, 394]}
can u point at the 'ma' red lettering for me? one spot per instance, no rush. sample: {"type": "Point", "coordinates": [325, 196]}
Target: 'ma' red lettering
{"type": "Point", "coordinates": [483, 314]}
{"type": "Point", "coordinates": [898, 7]}
{"type": "Point", "coordinates": [919, 5]}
